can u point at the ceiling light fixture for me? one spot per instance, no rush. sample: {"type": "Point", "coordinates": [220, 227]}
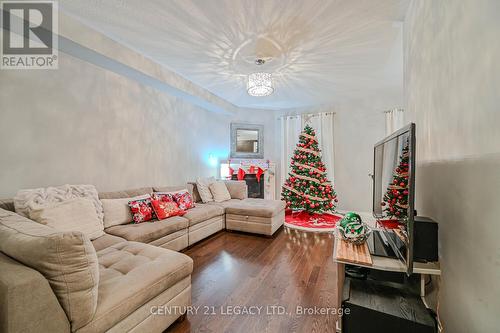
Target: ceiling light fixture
{"type": "Point", "coordinates": [260, 84]}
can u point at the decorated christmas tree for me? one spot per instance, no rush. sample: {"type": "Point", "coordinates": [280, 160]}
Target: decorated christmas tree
{"type": "Point", "coordinates": [307, 187]}
{"type": "Point", "coordinates": [396, 198]}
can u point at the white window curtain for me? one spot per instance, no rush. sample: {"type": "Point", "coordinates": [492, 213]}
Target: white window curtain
{"type": "Point", "coordinates": [394, 120]}
{"type": "Point", "coordinates": [291, 127]}
{"type": "Point", "coordinates": [323, 126]}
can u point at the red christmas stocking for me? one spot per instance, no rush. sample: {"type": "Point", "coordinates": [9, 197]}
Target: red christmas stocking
{"type": "Point", "coordinates": [241, 174]}
{"type": "Point", "coordinates": [259, 173]}
{"type": "Point", "coordinates": [231, 172]}
{"type": "Point", "coordinates": [251, 169]}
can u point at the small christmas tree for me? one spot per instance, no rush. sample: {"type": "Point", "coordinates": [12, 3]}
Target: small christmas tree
{"type": "Point", "coordinates": [307, 187]}
{"type": "Point", "coordinates": [396, 198]}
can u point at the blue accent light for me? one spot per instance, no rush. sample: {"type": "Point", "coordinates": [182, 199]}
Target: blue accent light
{"type": "Point", "coordinates": [213, 160]}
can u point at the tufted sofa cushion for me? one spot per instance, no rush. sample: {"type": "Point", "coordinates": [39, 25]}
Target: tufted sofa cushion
{"type": "Point", "coordinates": [130, 275]}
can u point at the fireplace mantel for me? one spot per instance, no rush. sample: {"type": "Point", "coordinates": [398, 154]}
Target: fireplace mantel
{"type": "Point", "coordinates": [269, 176]}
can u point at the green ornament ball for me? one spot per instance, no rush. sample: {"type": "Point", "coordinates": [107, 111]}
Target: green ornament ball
{"type": "Point", "coordinates": [349, 218]}
{"type": "Point", "coordinates": [352, 227]}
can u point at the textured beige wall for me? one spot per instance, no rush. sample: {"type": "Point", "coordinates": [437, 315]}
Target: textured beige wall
{"type": "Point", "coordinates": [85, 124]}
{"type": "Point", "coordinates": [452, 84]}
{"type": "Point", "coordinates": [358, 126]}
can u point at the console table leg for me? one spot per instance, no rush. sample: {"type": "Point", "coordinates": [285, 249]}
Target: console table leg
{"type": "Point", "coordinates": [340, 292]}
{"type": "Point", "coordinates": [422, 289]}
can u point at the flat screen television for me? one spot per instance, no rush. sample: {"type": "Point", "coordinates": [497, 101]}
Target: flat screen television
{"type": "Point", "coordinates": [394, 196]}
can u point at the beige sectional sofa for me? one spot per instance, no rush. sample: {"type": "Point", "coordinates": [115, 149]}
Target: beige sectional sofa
{"type": "Point", "coordinates": [176, 233]}
{"type": "Point", "coordinates": [63, 282]}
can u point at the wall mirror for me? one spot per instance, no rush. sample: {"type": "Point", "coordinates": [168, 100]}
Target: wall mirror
{"type": "Point", "coordinates": [247, 141]}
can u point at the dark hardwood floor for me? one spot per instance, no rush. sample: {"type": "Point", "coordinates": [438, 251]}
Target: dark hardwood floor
{"type": "Point", "coordinates": [233, 269]}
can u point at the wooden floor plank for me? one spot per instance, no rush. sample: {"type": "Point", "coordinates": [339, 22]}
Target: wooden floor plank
{"type": "Point", "coordinates": [293, 268]}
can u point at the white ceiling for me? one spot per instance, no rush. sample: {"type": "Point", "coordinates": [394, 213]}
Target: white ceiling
{"type": "Point", "coordinates": [319, 51]}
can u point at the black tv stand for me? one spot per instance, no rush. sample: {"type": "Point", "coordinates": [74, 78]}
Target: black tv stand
{"type": "Point", "coordinates": [377, 272]}
{"type": "Point", "coordinates": [376, 306]}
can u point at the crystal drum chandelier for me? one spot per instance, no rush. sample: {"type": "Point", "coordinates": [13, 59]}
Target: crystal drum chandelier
{"type": "Point", "coordinates": [260, 84]}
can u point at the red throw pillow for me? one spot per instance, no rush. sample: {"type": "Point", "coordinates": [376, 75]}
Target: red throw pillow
{"type": "Point", "coordinates": [142, 211]}
{"type": "Point", "coordinates": [166, 209]}
{"type": "Point", "coordinates": [163, 196]}
{"type": "Point", "coordinates": [183, 199]}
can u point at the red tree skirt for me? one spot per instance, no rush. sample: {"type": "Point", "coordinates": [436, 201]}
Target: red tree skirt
{"type": "Point", "coordinates": [311, 222]}
{"type": "Point", "coordinates": [389, 223]}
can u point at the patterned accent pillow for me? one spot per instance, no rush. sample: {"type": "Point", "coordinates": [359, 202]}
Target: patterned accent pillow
{"type": "Point", "coordinates": [163, 196]}
{"type": "Point", "coordinates": [183, 199]}
{"type": "Point", "coordinates": [142, 210]}
{"type": "Point", "coordinates": [166, 209]}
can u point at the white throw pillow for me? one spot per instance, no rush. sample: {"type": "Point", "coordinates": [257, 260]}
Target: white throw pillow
{"type": "Point", "coordinates": [117, 211]}
{"type": "Point", "coordinates": [219, 191]}
{"type": "Point", "coordinates": [71, 215]}
{"type": "Point", "coordinates": [203, 185]}
{"type": "Point", "coordinates": [26, 200]}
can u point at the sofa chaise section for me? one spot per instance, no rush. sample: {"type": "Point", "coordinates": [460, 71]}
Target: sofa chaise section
{"type": "Point", "coordinates": [135, 277]}
{"type": "Point", "coordinates": [259, 216]}
{"type": "Point", "coordinates": [256, 216]}
{"type": "Point", "coordinates": [62, 282]}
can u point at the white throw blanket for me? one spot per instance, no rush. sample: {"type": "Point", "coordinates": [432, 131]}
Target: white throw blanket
{"type": "Point", "coordinates": [27, 200]}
